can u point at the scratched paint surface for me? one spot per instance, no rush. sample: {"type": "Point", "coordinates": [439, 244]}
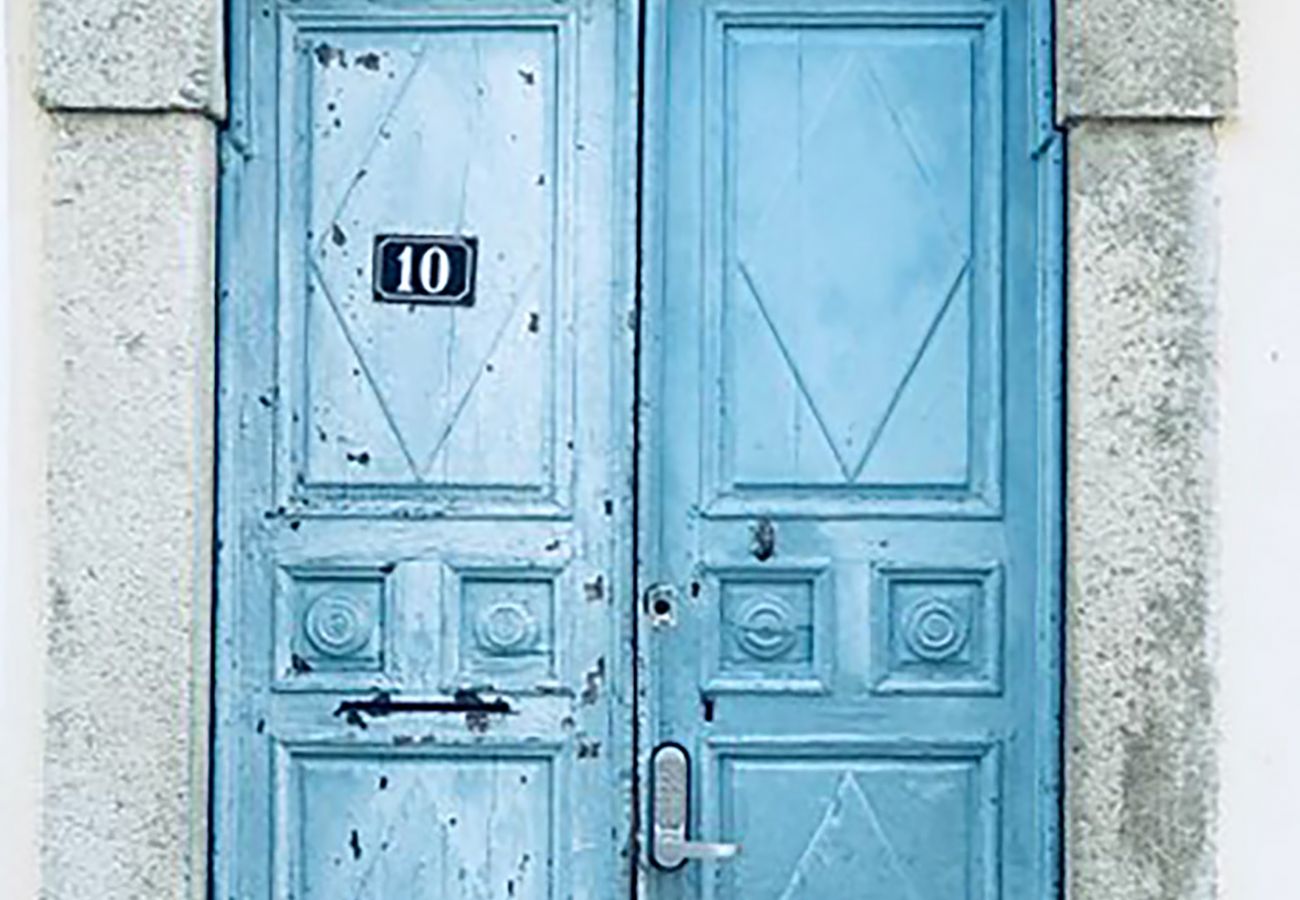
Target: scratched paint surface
{"type": "Point", "coordinates": [853, 463]}
{"type": "Point", "coordinates": [422, 526]}
{"type": "Point", "coordinates": [436, 132]}
{"type": "Point", "coordinates": [849, 465]}
{"type": "Point", "coordinates": [423, 829]}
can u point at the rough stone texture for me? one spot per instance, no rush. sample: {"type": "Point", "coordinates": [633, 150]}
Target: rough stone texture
{"type": "Point", "coordinates": [128, 283]}
{"type": "Point", "coordinates": [130, 231]}
{"type": "Point", "coordinates": [1148, 59]}
{"type": "Point", "coordinates": [1140, 734]}
{"type": "Point", "coordinates": [131, 55]}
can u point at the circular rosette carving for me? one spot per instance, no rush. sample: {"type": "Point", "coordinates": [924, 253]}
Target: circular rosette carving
{"type": "Point", "coordinates": [507, 628]}
{"type": "Point", "coordinates": [934, 630]}
{"type": "Point", "coordinates": [337, 625]}
{"type": "Point", "coordinates": [765, 628]}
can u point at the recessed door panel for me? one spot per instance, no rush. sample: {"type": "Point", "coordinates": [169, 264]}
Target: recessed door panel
{"type": "Point", "coordinates": [859, 818]}
{"type": "Point", "coordinates": [429, 129]}
{"type": "Point", "coordinates": [416, 826]}
{"type": "Point", "coordinates": [855, 319]}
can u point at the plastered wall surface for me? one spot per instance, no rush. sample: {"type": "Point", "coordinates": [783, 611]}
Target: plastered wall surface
{"type": "Point", "coordinates": [21, 433]}
{"type": "Point", "coordinates": [1258, 478]}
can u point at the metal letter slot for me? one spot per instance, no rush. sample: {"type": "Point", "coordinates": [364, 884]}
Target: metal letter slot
{"type": "Point", "coordinates": [670, 767]}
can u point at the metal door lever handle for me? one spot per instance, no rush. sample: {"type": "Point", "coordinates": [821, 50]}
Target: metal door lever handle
{"type": "Point", "coordinates": [670, 849]}
{"type": "Point", "coordinates": [671, 852]}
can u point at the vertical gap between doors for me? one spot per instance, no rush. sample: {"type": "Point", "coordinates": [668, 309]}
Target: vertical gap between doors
{"type": "Point", "coordinates": [634, 834]}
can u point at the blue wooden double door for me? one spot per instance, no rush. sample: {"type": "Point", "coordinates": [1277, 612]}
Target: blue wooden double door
{"type": "Point", "coordinates": [742, 444]}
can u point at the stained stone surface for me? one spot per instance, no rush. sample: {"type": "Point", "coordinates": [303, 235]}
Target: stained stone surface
{"type": "Point", "coordinates": [1140, 738]}
{"type": "Point", "coordinates": [131, 55]}
{"type": "Point", "coordinates": [1139, 59]}
{"type": "Point", "coordinates": [130, 227]}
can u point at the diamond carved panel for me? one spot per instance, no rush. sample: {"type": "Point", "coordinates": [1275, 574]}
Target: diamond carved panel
{"type": "Point", "coordinates": [444, 130]}
{"type": "Point", "coordinates": [913, 823]}
{"type": "Point", "coordinates": [858, 322]}
{"type": "Point", "coordinates": [853, 258]}
{"type": "Point", "coordinates": [379, 825]}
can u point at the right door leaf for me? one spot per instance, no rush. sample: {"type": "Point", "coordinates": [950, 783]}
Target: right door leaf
{"type": "Point", "coordinates": [853, 464]}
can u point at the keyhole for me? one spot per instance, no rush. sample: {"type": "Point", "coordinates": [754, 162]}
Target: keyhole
{"type": "Point", "coordinates": [659, 605]}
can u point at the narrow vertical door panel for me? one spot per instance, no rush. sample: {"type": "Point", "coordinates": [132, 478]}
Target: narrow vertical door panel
{"type": "Point", "coordinates": [423, 532]}
{"type": "Point", "coordinates": [850, 455]}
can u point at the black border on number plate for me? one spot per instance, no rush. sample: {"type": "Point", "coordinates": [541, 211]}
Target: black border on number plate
{"type": "Point", "coordinates": [465, 298]}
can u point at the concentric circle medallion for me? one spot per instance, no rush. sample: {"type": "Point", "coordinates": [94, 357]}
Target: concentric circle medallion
{"type": "Point", "coordinates": [764, 628]}
{"type": "Point", "coordinates": [506, 627]}
{"type": "Point", "coordinates": [935, 630]}
{"type": "Point", "coordinates": [336, 625]}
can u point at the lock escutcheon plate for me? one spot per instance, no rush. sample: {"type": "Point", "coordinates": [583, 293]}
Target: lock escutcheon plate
{"type": "Point", "coordinates": [670, 767]}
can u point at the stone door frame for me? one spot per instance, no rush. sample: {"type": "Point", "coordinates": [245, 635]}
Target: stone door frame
{"type": "Point", "coordinates": [132, 98]}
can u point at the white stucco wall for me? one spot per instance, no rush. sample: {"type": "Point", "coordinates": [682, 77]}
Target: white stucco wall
{"type": "Point", "coordinates": [22, 449]}
{"type": "Point", "coordinates": [1259, 461]}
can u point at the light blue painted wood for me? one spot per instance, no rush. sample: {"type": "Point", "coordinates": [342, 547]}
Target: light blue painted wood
{"type": "Point", "coordinates": [849, 416]}
{"type": "Point", "coordinates": [851, 461]}
{"type": "Point", "coordinates": [431, 505]}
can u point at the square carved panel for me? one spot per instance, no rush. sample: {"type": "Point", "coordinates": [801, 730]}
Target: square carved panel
{"type": "Point", "coordinates": [501, 626]}
{"type": "Point", "coordinates": [936, 630]}
{"type": "Point", "coordinates": [772, 628]}
{"type": "Point", "coordinates": [331, 625]}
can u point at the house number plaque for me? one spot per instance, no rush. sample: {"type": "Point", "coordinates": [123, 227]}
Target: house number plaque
{"type": "Point", "coordinates": [432, 269]}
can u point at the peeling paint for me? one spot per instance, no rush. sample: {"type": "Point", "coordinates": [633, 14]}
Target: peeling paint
{"type": "Point", "coordinates": [763, 539]}
{"type": "Point", "coordinates": [593, 679]}
{"type": "Point", "coordinates": [327, 55]}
